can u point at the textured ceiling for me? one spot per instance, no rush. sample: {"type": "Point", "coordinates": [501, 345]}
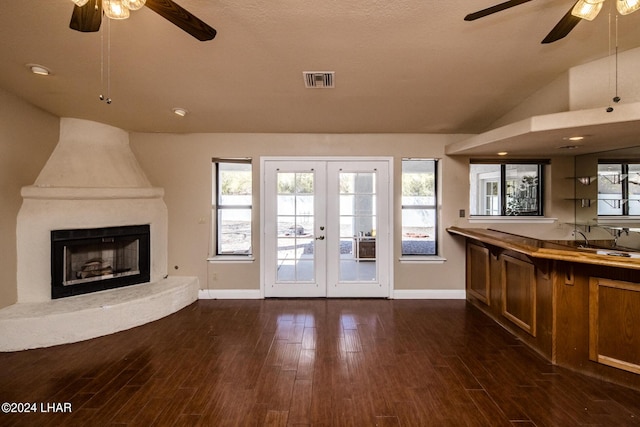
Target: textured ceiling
{"type": "Point", "coordinates": [401, 66]}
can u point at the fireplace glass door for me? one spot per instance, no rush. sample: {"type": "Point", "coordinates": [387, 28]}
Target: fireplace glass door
{"type": "Point", "coordinates": [102, 260]}
{"type": "Point", "coordinates": [89, 260]}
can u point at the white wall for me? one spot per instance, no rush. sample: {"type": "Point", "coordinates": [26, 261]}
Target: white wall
{"type": "Point", "coordinates": [593, 85]}
{"type": "Point", "coordinates": [181, 164]}
{"type": "Point", "coordinates": [27, 138]}
{"type": "Point", "coordinates": [553, 98]}
{"type": "Point", "coordinates": [586, 86]}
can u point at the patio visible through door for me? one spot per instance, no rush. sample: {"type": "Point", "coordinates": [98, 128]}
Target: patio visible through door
{"type": "Point", "coordinates": [326, 228]}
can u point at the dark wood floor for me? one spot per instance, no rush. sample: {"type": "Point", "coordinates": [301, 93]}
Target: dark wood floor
{"type": "Point", "coordinates": [310, 362]}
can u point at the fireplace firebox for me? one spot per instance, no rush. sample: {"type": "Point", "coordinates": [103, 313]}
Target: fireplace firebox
{"type": "Point", "coordinates": [96, 259]}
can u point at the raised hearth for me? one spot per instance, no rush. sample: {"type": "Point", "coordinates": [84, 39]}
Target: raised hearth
{"type": "Point", "coordinates": [66, 320]}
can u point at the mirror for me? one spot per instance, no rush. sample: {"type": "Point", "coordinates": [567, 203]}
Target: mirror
{"type": "Point", "coordinates": [607, 193]}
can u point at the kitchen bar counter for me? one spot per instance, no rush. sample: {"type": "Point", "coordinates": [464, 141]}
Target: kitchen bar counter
{"type": "Point", "coordinates": [552, 250]}
{"type": "Point", "coordinates": [577, 307]}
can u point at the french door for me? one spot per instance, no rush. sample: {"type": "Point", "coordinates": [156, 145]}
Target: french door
{"type": "Point", "coordinates": [326, 226]}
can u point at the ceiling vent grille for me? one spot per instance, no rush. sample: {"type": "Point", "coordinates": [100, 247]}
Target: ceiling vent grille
{"type": "Point", "coordinates": [319, 79]}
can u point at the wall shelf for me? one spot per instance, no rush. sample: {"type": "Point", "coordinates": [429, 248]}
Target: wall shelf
{"type": "Point", "coordinates": [584, 203]}
{"type": "Point", "coordinates": [584, 180]}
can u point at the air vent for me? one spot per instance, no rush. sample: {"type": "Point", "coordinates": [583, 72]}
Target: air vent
{"type": "Point", "coordinates": [319, 79]}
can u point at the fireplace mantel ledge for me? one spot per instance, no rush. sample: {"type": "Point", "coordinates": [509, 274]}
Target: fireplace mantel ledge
{"type": "Point", "coordinates": [43, 324]}
{"type": "Point", "coordinates": [89, 193]}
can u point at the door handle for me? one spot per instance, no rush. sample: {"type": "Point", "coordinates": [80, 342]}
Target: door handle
{"type": "Point", "coordinates": [320, 238]}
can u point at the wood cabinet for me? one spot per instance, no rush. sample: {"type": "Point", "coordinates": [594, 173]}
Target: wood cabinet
{"type": "Point", "coordinates": [514, 291]}
{"type": "Point", "coordinates": [518, 283]}
{"type": "Point", "coordinates": [614, 323]}
{"type": "Point", "coordinates": [365, 248]}
{"type": "Point", "coordinates": [478, 273]}
{"type": "Point", "coordinates": [585, 317]}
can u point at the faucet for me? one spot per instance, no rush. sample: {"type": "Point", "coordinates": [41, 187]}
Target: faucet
{"type": "Point", "coordinates": [586, 241]}
{"type": "Point", "coordinates": [617, 234]}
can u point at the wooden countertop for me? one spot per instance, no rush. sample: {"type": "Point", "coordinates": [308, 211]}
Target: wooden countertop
{"type": "Point", "coordinates": [545, 249]}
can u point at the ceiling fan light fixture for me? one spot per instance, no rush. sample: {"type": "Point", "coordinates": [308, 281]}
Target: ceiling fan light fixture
{"type": "Point", "coordinates": [134, 4]}
{"type": "Point", "coordinates": [626, 7]}
{"type": "Point", "coordinates": [80, 3]}
{"type": "Point", "coordinates": [587, 9]}
{"type": "Point", "coordinates": [115, 9]}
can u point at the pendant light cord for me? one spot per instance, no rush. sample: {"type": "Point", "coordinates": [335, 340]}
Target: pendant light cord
{"type": "Point", "coordinates": [108, 61]}
{"type": "Point", "coordinates": [616, 98]}
{"type": "Point", "coordinates": [108, 64]}
{"type": "Point", "coordinates": [101, 64]}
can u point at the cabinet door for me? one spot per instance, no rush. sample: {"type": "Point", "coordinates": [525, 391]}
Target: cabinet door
{"type": "Point", "coordinates": [519, 293]}
{"type": "Point", "coordinates": [478, 273]}
{"type": "Point", "coordinates": [614, 323]}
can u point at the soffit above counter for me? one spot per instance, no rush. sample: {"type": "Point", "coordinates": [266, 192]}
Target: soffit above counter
{"type": "Point", "coordinates": [546, 135]}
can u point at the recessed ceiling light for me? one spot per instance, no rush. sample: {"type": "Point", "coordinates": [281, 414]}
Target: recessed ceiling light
{"type": "Point", "coordinates": [573, 138]}
{"type": "Point", "coordinates": [179, 111]}
{"type": "Point", "coordinates": [39, 69]}
{"type": "Point", "coordinates": [502, 153]}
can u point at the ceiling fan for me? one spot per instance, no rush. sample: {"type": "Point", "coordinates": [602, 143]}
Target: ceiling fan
{"type": "Point", "coordinates": [582, 9]}
{"type": "Point", "coordinates": [87, 15]}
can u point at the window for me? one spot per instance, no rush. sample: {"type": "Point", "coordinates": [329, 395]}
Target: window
{"type": "Point", "coordinates": [506, 189]}
{"type": "Point", "coordinates": [232, 206]}
{"type": "Point", "coordinates": [419, 203]}
{"type": "Point", "coordinates": [618, 188]}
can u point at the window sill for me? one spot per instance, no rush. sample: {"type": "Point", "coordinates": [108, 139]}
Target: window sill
{"type": "Point", "coordinates": [513, 219]}
{"type": "Point", "coordinates": [422, 259]}
{"type": "Point", "coordinates": [231, 258]}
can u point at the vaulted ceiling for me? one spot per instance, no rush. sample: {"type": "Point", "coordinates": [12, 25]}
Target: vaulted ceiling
{"type": "Point", "coordinates": [400, 66]}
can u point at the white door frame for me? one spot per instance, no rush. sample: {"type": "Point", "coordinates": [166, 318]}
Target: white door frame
{"type": "Point", "coordinates": [391, 204]}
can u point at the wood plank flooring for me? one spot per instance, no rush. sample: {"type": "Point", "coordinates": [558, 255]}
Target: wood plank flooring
{"type": "Point", "coordinates": [310, 362]}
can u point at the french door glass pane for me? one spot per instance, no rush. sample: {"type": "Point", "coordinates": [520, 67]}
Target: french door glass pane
{"type": "Point", "coordinates": [357, 242]}
{"type": "Point", "coordinates": [295, 223]}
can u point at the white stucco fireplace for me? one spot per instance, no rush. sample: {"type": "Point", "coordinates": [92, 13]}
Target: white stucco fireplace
{"type": "Point", "coordinates": [92, 180]}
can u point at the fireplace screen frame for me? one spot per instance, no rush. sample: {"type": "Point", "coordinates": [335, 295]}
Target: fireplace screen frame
{"type": "Point", "coordinates": [63, 241]}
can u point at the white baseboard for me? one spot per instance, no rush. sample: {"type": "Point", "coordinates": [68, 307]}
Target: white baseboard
{"type": "Point", "coordinates": [229, 294]}
{"type": "Point", "coordinates": [429, 294]}
{"type": "Point", "coordinates": [397, 294]}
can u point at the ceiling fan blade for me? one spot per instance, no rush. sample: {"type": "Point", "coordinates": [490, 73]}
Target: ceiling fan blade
{"type": "Point", "coordinates": [87, 18]}
{"type": "Point", "coordinates": [493, 9]}
{"type": "Point", "coordinates": [562, 28]}
{"type": "Point", "coordinates": [182, 18]}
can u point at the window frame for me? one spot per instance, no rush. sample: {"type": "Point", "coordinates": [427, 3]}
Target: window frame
{"type": "Point", "coordinates": [540, 163]}
{"type": "Point", "coordinates": [217, 206]}
{"type": "Point", "coordinates": [434, 207]}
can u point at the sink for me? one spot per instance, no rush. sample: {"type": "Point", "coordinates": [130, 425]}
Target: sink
{"type": "Point", "coordinates": [604, 248]}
